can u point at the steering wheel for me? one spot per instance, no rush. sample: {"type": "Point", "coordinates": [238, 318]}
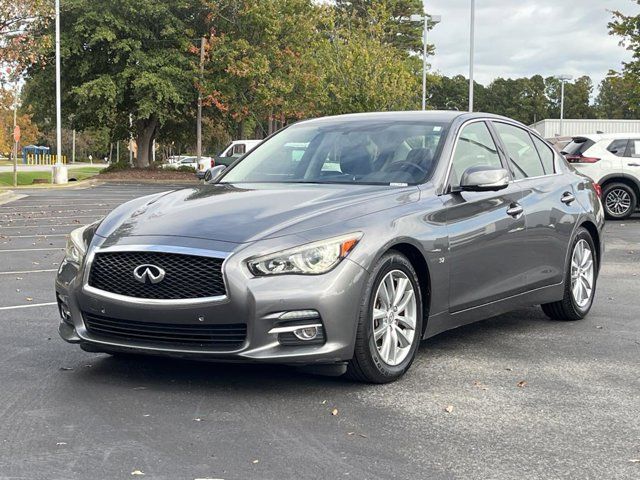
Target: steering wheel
{"type": "Point", "coordinates": [408, 167]}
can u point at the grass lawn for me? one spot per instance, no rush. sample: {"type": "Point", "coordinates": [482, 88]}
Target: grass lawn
{"type": "Point", "coordinates": [26, 178]}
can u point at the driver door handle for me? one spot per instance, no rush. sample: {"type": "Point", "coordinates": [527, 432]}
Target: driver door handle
{"type": "Point", "coordinates": [515, 210]}
{"type": "Point", "coordinates": [633, 164]}
{"type": "Point", "coordinates": [568, 198]}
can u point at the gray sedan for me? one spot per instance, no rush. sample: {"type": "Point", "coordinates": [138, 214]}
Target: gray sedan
{"type": "Point", "coordinates": [338, 244]}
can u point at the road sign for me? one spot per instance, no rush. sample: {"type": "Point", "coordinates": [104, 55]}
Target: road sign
{"type": "Point", "coordinates": [16, 133]}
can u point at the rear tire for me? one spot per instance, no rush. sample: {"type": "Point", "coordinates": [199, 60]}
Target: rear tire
{"type": "Point", "coordinates": [619, 201]}
{"type": "Point", "coordinates": [579, 283]}
{"type": "Point", "coordinates": [389, 332]}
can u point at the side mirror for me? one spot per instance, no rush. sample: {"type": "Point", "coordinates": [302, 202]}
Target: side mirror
{"type": "Point", "coordinates": [484, 179]}
{"type": "Point", "coordinates": [212, 174]}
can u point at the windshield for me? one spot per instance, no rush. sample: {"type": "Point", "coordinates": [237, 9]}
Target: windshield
{"type": "Point", "coordinates": [355, 152]}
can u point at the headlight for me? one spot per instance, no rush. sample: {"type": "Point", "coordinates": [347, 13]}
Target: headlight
{"type": "Point", "coordinates": [78, 242]}
{"type": "Point", "coordinates": [310, 259]}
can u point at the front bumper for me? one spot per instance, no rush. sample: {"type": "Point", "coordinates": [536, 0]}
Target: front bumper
{"type": "Point", "coordinates": [256, 302]}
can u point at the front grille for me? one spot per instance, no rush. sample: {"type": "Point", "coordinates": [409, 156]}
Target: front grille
{"type": "Point", "coordinates": [186, 276]}
{"type": "Point", "coordinates": [222, 337]}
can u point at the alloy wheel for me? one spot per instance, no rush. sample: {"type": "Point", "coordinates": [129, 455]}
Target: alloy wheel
{"type": "Point", "coordinates": [618, 201]}
{"type": "Point", "coordinates": [394, 317]}
{"type": "Point", "coordinates": [582, 273]}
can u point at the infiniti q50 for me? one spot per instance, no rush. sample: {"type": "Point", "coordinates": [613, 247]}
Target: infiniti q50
{"type": "Point", "coordinates": [339, 244]}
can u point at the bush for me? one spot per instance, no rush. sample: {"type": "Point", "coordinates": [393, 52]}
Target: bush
{"type": "Point", "coordinates": [186, 168]}
{"type": "Point", "coordinates": [116, 167]}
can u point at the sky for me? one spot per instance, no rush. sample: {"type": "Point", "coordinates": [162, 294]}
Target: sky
{"type": "Point", "coordinates": [516, 38]}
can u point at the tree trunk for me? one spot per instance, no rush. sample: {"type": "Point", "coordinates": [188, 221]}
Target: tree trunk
{"type": "Point", "coordinates": [145, 134]}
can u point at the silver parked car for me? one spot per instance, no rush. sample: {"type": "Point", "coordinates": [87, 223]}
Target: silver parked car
{"type": "Point", "coordinates": [376, 231]}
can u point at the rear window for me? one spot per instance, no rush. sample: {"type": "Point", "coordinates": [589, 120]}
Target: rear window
{"type": "Point", "coordinates": [578, 146]}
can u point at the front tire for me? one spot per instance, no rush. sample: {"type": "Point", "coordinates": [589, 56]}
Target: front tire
{"type": "Point", "coordinates": [390, 322]}
{"type": "Point", "coordinates": [580, 281]}
{"type": "Point", "coordinates": [619, 201]}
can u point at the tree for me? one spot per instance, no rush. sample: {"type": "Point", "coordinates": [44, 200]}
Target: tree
{"type": "Point", "coordinates": [261, 62]}
{"type": "Point", "coordinates": [628, 29]}
{"type": "Point", "coordinates": [388, 20]}
{"type": "Point", "coordinates": [577, 98]}
{"type": "Point", "coordinates": [18, 46]}
{"type": "Point", "coordinates": [615, 98]}
{"type": "Point", "coordinates": [121, 58]}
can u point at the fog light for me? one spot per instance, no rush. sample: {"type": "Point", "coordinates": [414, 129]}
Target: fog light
{"type": "Point", "coordinates": [65, 311]}
{"type": "Point", "coordinates": [306, 334]}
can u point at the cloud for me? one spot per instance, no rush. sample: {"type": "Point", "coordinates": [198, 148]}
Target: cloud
{"type": "Point", "coordinates": [516, 38]}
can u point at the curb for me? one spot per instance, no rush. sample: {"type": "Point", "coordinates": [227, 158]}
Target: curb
{"type": "Point", "coordinates": [8, 196]}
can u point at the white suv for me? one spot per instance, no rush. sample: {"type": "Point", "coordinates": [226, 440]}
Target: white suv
{"type": "Point", "coordinates": [613, 161]}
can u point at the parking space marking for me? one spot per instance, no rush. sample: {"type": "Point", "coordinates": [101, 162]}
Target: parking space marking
{"type": "Point", "coordinates": [39, 235]}
{"type": "Point", "coordinates": [30, 250]}
{"type": "Point", "coordinates": [44, 225]}
{"type": "Point", "coordinates": [26, 272]}
{"type": "Point", "coordinates": [49, 218]}
{"type": "Point", "coordinates": [16, 307]}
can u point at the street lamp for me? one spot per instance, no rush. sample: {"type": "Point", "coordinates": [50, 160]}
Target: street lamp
{"type": "Point", "coordinates": [472, 41]}
{"type": "Point", "coordinates": [563, 79]}
{"type": "Point", "coordinates": [426, 19]}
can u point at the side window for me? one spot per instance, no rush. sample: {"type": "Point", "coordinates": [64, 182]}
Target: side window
{"type": "Point", "coordinates": [547, 155]}
{"type": "Point", "coordinates": [239, 149]}
{"type": "Point", "coordinates": [634, 148]}
{"type": "Point", "coordinates": [618, 147]}
{"type": "Point", "coordinates": [475, 148]}
{"type": "Point", "coordinates": [525, 161]}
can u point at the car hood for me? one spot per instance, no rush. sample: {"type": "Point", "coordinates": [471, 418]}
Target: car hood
{"type": "Point", "coordinates": [245, 213]}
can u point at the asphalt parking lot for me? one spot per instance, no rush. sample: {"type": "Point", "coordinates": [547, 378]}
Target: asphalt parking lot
{"type": "Point", "coordinates": [527, 397]}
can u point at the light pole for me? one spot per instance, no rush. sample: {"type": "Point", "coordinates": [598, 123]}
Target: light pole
{"type": "Point", "coordinates": [563, 79]}
{"type": "Point", "coordinates": [426, 19]}
{"type": "Point", "coordinates": [59, 171]}
{"type": "Point", "coordinates": [472, 45]}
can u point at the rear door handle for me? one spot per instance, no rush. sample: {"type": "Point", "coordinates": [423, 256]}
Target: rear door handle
{"type": "Point", "coordinates": [515, 210]}
{"type": "Point", "coordinates": [634, 164]}
{"type": "Point", "coordinates": [568, 198]}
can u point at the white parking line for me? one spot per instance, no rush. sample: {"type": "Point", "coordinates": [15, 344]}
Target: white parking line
{"type": "Point", "coordinates": [47, 226]}
{"type": "Point", "coordinates": [50, 218]}
{"type": "Point", "coordinates": [26, 272]}
{"type": "Point", "coordinates": [40, 235]}
{"type": "Point", "coordinates": [16, 307]}
{"type": "Point", "coordinates": [30, 250]}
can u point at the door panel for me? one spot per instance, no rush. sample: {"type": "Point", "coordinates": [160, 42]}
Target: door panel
{"type": "Point", "coordinates": [487, 248]}
{"type": "Point", "coordinates": [550, 225]}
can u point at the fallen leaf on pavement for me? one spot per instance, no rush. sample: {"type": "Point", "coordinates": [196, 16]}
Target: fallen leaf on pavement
{"type": "Point", "coordinates": [255, 461]}
{"type": "Point", "coordinates": [66, 369]}
{"type": "Point", "coordinates": [448, 408]}
{"type": "Point", "coordinates": [334, 412]}
{"type": "Point", "coordinates": [635, 460]}
{"type": "Point", "coordinates": [29, 299]}
{"type": "Point", "coordinates": [137, 472]}
{"type": "Point", "coordinates": [522, 384]}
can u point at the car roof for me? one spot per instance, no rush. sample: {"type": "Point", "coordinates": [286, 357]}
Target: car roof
{"type": "Point", "coordinates": [440, 116]}
{"type": "Point", "coordinates": [596, 137]}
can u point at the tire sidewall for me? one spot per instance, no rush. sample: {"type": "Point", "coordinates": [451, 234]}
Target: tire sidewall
{"type": "Point", "coordinates": [387, 264]}
{"type": "Point", "coordinates": [627, 189]}
{"type": "Point", "coordinates": [583, 234]}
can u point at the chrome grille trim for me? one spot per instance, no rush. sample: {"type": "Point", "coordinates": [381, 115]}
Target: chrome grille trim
{"type": "Point", "coordinates": [103, 294]}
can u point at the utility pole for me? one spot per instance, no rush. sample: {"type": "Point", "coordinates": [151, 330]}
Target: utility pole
{"type": "Point", "coordinates": [563, 79]}
{"type": "Point", "coordinates": [199, 120]}
{"type": "Point", "coordinates": [15, 144]}
{"type": "Point", "coordinates": [59, 171]}
{"type": "Point", "coordinates": [472, 45]}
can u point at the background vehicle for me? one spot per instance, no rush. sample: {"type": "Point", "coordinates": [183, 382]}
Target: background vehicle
{"type": "Point", "coordinates": [235, 149]}
{"type": "Point", "coordinates": [613, 161]}
{"type": "Point", "coordinates": [340, 243]}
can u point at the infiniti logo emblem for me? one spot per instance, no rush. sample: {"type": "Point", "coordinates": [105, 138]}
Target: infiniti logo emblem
{"type": "Point", "coordinates": [149, 274]}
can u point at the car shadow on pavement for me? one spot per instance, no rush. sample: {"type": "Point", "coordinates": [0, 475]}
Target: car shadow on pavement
{"type": "Point", "coordinates": [163, 373]}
